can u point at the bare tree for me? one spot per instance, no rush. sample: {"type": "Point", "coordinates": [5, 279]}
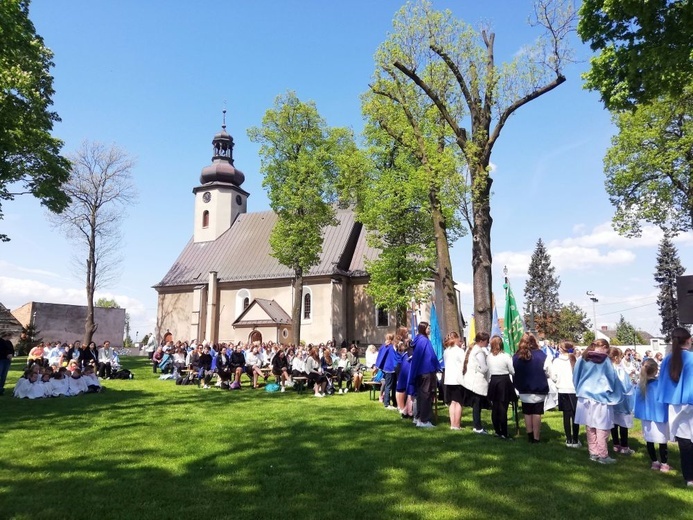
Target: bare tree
{"type": "Point", "coordinates": [100, 188]}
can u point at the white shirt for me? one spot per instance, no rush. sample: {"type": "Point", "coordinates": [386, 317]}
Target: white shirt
{"type": "Point", "coordinates": [453, 357]}
{"type": "Point", "coordinates": [500, 364]}
{"type": "Point", "coordinates": [562, 374]}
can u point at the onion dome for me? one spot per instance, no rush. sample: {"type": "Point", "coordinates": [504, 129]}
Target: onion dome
{"type": "Point", "coordinates": [222, 168]}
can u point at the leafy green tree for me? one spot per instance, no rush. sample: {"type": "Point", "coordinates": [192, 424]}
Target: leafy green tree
{"type": "Point", "coordinates": [649, 166]}
{"type": "Point", "coordinates": [572, 323]}
{"type": "Point", "coordinates": [644, 49]}
{"type": "Point", "coordinates": [588, 337]}
{"type": "Point", "coordinates": [107, 303]}
{"type": "Point", "coordinates": [668, 268]}
{"type": "Point", "coordinates": [392, 202]}
{"type": "Point", "coordinates": [29, 156]}
{"type": "Point", "coordinates": [436, 76]}
{"type": "Point", "coordinates": [101, 189]}
{"type": "Point", "coordinates": [301, 158]}
{"type": "Point", "coordinates": [626, 333]}
{"type": "Point", "coordinates": [541, 291]}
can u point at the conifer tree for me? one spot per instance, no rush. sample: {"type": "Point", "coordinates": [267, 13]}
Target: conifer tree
{"type": "Point", "coordinates": [626, 333]}
{"type": "Point", "coordinates": [541, 290]}
{"type": "Point", "coordinates": [668, 268]}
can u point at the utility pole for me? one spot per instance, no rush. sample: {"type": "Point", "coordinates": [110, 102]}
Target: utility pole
{"type": "Point", "coordinates": [594, 310]}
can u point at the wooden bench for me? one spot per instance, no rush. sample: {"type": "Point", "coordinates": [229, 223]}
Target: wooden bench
{"type": "Point", "coordinates": [300, 383]}
{"type": "Point", "coordinates": [373, 388]}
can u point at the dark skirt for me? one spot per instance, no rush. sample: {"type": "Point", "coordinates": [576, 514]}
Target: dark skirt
{"type": "Point", "coordinates": [453, 393]}
{"type": "Point", "coordinates": [501, 389]}
{"type": "Point", "coordinates": [567, 402]}
{"type": "Point", "coordinates": [469, 397]}
{"type": "Point", "coordinates": [533, 408]}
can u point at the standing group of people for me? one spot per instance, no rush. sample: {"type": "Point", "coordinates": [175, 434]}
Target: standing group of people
{"type": "Point", "coordinates": [597, 388]}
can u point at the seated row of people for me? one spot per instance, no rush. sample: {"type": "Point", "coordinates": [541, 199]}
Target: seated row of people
{"type": "Point", "coordinates": [319, 366]}
{"type": "Point", "coordinates": [103, 358]}
{"type": "Point", "coordinates": [37, 382]}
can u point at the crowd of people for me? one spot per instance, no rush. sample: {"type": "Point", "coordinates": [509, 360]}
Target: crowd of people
{"type": "Point", "coordinates": [325, 368]}
{"type": "Point", "coordinates": [43, 381]}
{"type": "Point", "coordinates": [61, 369]}
{"type": "Point", "coordinates": [599, 387]}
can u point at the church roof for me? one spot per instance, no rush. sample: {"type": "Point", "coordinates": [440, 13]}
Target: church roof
{"type": "Point", "coordinates": [243, 252]}
{"type": "Point", "coordinates": [9, 323]}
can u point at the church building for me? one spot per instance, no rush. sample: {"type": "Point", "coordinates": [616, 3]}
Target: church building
{"type": "Point", "coordinates": [226, 287]}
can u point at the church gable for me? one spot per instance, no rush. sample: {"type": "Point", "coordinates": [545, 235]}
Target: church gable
{"type": "Point", "coordinates": [262, 312]}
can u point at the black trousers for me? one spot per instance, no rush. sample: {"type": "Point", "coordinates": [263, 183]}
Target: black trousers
{"type": "Point", "coordinates": [663, 452]}
{"type": "Point", "coordinates": [686, 451]}
{"type": "Point", "coordinates": [476, 412]}
{"type": "Point", "coordinates": [425, 387]}
{"type": "Point", "coordinates": [624, 436]}
{"type": "Point", "coordinates": [499, 417]}
{"type": "Point", "coordinates": [104, 370]}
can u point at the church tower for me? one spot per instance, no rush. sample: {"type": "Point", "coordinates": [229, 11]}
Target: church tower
{"type": "Point", "coordinates": [219, 199]}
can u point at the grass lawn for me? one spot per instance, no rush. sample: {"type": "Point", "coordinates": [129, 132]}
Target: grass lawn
{"type": "Point", "coordinates": [148, 449]}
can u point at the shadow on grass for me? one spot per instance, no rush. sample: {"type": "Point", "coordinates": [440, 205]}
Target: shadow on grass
{"type": "Point", "coordinates": [152, 450]}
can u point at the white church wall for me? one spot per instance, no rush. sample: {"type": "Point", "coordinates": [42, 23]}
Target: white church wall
{"type": "Point", "coordinates": [174, 315]}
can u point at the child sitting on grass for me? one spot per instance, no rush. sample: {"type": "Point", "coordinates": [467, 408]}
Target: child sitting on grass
{"type": "Point", "coordinates": [60, 384]}
{"type": "Point", "coordinates": [91, 380]}
{"type": "Point", "coordinates": [76, 385]}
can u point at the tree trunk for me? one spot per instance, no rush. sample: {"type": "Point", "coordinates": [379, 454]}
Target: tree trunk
{"type": "Point", "coordinates": [89, 325]}
{"type": "Point", "coordinates": [481, 249]}
{"type": "Point", "coordinates": [445, 285]}
{"type": "Point", "coordinates": [296, 308]}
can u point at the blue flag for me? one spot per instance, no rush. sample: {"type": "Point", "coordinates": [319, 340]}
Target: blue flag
{"type": "Point", "coordinates": [414, 325]}
{"type": "Point", "coordinates": [436, 338]}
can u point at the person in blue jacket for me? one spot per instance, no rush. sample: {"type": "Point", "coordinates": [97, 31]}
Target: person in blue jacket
{"type": "Point", "coordinates": [676, 390]}
{"type": "Point", "coordinates": [388, 361]}
{"type": "Point", "coordinates": [653, 416]}
{"type": "Point", "coordinates": [422, 375]}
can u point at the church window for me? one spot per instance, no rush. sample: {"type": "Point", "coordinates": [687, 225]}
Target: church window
{"type": "Point", "coordinates": [307, 306]}
{"type": "Point", "coordinates": [243, 299]}
{"type": "Point", "coordinates": [205, 219]}
{"type": "Point", "coordinates": [382, 317]}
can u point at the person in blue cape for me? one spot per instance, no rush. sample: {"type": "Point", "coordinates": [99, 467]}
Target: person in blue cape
{"type": "Point", "coordinates": [676, 390]}
{"type": "Point", "coordinates": [422, 376]}
{"type": "Point", "coordinates": [598, 389]}
{"type": "Point", "coordinates": [653, 416]}
{"type": "Point", "coordinates": [388, 361]}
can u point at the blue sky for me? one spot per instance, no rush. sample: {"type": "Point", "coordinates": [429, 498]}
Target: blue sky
{"type": "Point", "coordinates": [153, 77]}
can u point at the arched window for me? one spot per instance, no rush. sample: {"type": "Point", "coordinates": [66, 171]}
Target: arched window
{"type": "Point", "coordinates": [205, 219]}
{"type": "Point", "coordinates": [382, 317]}
{"type": "Point", "coordinates": [307, 306]}
{"type": "Point", "coordinates": [243, 299]}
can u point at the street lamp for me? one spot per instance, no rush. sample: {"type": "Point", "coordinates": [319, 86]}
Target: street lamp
{"type": "Point", "coordinates": [594, 310]}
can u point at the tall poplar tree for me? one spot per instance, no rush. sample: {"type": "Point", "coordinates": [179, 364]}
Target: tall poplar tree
{"type": "Point", "coordinates": [301, 158]}
{"type": "Point", "coordinates": [437, 71]}
{"type": "Point", "coordinates": [668, 268]}
{"type": "Point", "coordinates": [541, 291]}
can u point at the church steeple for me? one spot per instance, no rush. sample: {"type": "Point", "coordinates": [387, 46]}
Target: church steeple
{"type": "Point", "coordinates": [222, 168]}
{"type": "Point", "coordinates": [219, 198]}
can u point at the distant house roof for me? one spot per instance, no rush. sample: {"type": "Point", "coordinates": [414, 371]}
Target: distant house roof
{"type": "Point", "coordinates": [611, 334]}
{"type": "Point", "coordinates": [272, 314]}
{"type": "Point", "coordinates": [9, 323]}
{"type": "Point", "coordinates": [243, 252]}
